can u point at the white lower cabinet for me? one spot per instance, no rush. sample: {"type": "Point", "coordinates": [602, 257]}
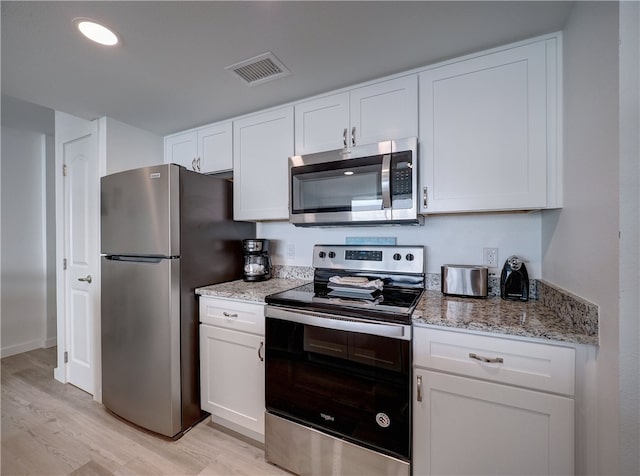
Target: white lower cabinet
{"type": "Point", "coordinates": [232, 367]}
{"type": "Point", "coordinates": [464, 425]}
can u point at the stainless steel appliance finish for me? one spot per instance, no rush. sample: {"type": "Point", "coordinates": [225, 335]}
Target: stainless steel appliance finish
{"type": "Point", "coordinates": [338, 362]}
{"type": "Point", "coordinates": [307, 451]}
{"type": "Point", "coordinates": [363, 185]}
{"type": "Point", "coordinates": [464, 280]}
{"type": "Point", "coordinates": [165, 231]}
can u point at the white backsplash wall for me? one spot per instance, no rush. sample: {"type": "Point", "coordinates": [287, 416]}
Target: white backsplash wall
{"type": "Point", "coordinates": [451, 239]}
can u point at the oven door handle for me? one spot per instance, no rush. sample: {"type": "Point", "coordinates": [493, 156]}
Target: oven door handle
{"type": "Point", "coordinates": [395, 331]}
{"type": "Point", "coordinates": [385, 181]}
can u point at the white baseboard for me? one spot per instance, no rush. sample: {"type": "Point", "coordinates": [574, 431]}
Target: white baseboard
{"type": "Point", "coordinates": [20, 348]}
{"type": "Point", "coordinates": [50, 342]}
{"type": "Point", "coordinates": [59, 375]}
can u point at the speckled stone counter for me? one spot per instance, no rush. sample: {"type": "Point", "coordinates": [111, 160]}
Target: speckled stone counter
{"type": "Point", "coordinates": [524, 319]}
{"type": "Point", "coordinates": [250, 291]}
{"type": "Point", "coordinates": [556, 316]}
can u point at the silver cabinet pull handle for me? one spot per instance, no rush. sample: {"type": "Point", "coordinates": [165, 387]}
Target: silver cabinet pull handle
{"type": "Point", "coordinates": [495, 360]}
{"type": "Point", "coordinates": [424, 196]}
{"type": "Point", "coordinates": [260, 352]}
{"type": "Point", "coordinates": [198, 164]}
{"type": "Point", "coordinates": [353, 136]}
{"type": "Point", "coordinates": [344, 137]}
{"type": "Point", "coordinates": [193, 164]}
{"type": "Point", "coordinates": [229, 314]}
{"type": "Point", "coordinates": [419, 388]}
{"type": "Point", "coordinates": [88, 279]}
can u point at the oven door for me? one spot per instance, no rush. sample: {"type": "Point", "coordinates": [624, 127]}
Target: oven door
{"type": "Point", "coordinates": [373, 183]}
{"type": "Point", "coordinates": [349, 384]}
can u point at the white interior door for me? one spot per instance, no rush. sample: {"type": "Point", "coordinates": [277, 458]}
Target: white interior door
{"type": "Point", "coordinates": [81, 253]}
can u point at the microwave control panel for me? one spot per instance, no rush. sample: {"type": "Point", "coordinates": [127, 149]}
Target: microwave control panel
{"type": "Point", "coordinates": [401, 177]}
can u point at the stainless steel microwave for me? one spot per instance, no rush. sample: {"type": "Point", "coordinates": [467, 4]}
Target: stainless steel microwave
{"type": "Point", "coordinates": [365, 185]}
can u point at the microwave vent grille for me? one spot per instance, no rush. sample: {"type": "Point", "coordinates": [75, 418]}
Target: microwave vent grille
{"type": "Point", "coordinates": [259, 69]}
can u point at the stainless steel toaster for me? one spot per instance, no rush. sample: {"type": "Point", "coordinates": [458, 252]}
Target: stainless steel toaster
{"type": "Point", "coordinates": [464, 280]}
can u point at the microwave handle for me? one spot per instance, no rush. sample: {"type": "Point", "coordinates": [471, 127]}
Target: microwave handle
{"type": "Point", "coordinates": [385, 178]}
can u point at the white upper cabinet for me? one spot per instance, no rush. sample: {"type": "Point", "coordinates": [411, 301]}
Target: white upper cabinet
{"type": "Point", "coordinates": [207, 149]}
{"type": "Point", "coordinates": [383, 111]}
{"type": "Point", "coordinates": [181, 149]}
{"type": "Point", "coordinates": [380, 111]}
{"type": "Point", "coordinates": [488, 131]}
{"type": "Point", "coordinates": [262, 145]}
{"type": "Point", "coordinates": [322, 124]}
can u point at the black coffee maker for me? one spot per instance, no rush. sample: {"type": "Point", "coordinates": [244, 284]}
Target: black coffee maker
{"type": "Point", "coordinates": [514, 280]}
{"type": "Point", "coordinates": [257, 263]}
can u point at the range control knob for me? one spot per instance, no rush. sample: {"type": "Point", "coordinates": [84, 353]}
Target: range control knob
{"type": "Point", "coordinates": [322, 254]}
{"type": "Point", "coordinates": [332, 254]}
{"type": "Point", "coordinates": [397, 256]}
{"type": "Point", "coordinates": [409, 257]}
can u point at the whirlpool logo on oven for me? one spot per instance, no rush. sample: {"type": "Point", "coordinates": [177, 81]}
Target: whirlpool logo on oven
{"type": "Point", "coordinates": [327, 417]}
{"type": "Point", "coordinates": [383, 420]}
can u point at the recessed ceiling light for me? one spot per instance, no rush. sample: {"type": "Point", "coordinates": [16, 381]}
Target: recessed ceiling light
{"type": "Point", "coordinates": [96, 32]}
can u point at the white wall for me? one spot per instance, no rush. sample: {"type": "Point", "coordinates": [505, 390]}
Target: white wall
{"type": "Point", "coordinates": [580, 242]}
{"type": "Point", "coordinates": [126, 147]}
{"type": "Point", "coordinates": [630, 237]}
{"type": "Point", "coordinates": [23, 265]}
{"type": "Point", "coordinates": [50, 198]}
{"type": "Point", "coordinates": [456, 239]}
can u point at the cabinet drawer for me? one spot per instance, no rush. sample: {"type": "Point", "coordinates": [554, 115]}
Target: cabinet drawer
{"type": "Point", "coordinates": [230, 314]}
{"type": "Point", "coordinates": [538, 366]}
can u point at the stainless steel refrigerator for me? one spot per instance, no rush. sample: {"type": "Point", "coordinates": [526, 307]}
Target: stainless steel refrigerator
{"type": "Point", "coordinates": [164, 232]}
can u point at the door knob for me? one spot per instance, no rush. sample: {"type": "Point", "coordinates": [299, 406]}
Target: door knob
{"type": "Point", "coordinates": [87, 279]}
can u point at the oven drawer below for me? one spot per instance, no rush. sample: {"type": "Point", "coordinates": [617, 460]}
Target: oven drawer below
{"type": "Point", "coordinates": [309, 452]}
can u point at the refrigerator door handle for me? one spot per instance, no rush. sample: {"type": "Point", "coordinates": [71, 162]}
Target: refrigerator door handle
{"type": "Point", "coordinates": [139, 259]}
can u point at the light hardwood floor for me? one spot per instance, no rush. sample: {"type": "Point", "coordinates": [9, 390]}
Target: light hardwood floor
{"type": "Point", "coordinates": [49, 428]}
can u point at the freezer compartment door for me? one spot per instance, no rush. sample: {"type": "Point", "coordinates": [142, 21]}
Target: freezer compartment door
{"type": "Point", "coordinates": [141, 342]}
{"type": "Point", "coordinates": [140, 212]}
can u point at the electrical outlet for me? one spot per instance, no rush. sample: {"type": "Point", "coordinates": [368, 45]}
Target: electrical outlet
{"type": "Point", "coordinates": [490, 257]}
{"type": "Point", "coordinates": [291, 251]}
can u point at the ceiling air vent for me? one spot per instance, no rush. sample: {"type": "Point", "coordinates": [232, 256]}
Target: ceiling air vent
{"type": "Point", "coordinates": [259, 69]}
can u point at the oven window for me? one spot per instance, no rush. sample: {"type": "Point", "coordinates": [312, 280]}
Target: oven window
{"type": "Point", "coordinates": [371, 351]}
{"type": "Point", "coordinates": [349, 185]}
{"type": "Point", "coordinates": [344, 383]}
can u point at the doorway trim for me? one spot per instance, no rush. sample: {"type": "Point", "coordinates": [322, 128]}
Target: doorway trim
{"type": "Point", "coordinates": [67, 127]}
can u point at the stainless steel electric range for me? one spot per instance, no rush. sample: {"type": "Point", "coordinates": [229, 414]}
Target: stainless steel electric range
{"type": "Point", "coordinates": [338, 363]}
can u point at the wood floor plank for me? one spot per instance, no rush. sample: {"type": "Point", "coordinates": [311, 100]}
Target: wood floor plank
{"type": "Point", "coordinates": [52, 429]}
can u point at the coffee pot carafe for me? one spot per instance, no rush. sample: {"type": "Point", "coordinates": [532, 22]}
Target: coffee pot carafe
{"type": "Point", "coordinates": [257, 263]}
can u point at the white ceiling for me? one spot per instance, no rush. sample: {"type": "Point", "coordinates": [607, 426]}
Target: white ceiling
{"type": "Point", "coordinates": [168, 75]}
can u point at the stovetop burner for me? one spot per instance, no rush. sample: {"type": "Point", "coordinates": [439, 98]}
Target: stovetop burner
{"type": "Point", "coordinates": [401, 269]}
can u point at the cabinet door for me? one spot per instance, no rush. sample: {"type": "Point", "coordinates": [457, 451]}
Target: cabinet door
{"type": "Point", "coordinates": [215, 148]}
{"type": "Point", "coordinates": [232, 378]}
{"type": "Point", "coordinates": [483, 132]}
{"type": "Point", "coordinates": [468, 426]}
{"type": "Point", "coordinates": [181, 149]}
{"type": "Point", "coordinates": [262, 145]}
{"type": "Point", "coordinates": [383, 111]}
{"type": "Point", "coordinates": [322, 124]}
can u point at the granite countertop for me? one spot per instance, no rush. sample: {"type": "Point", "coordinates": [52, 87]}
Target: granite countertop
{"type": "Point", "coordinates": [495, 315]}
{"type": "Point", "coordinates": [250, 291]}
